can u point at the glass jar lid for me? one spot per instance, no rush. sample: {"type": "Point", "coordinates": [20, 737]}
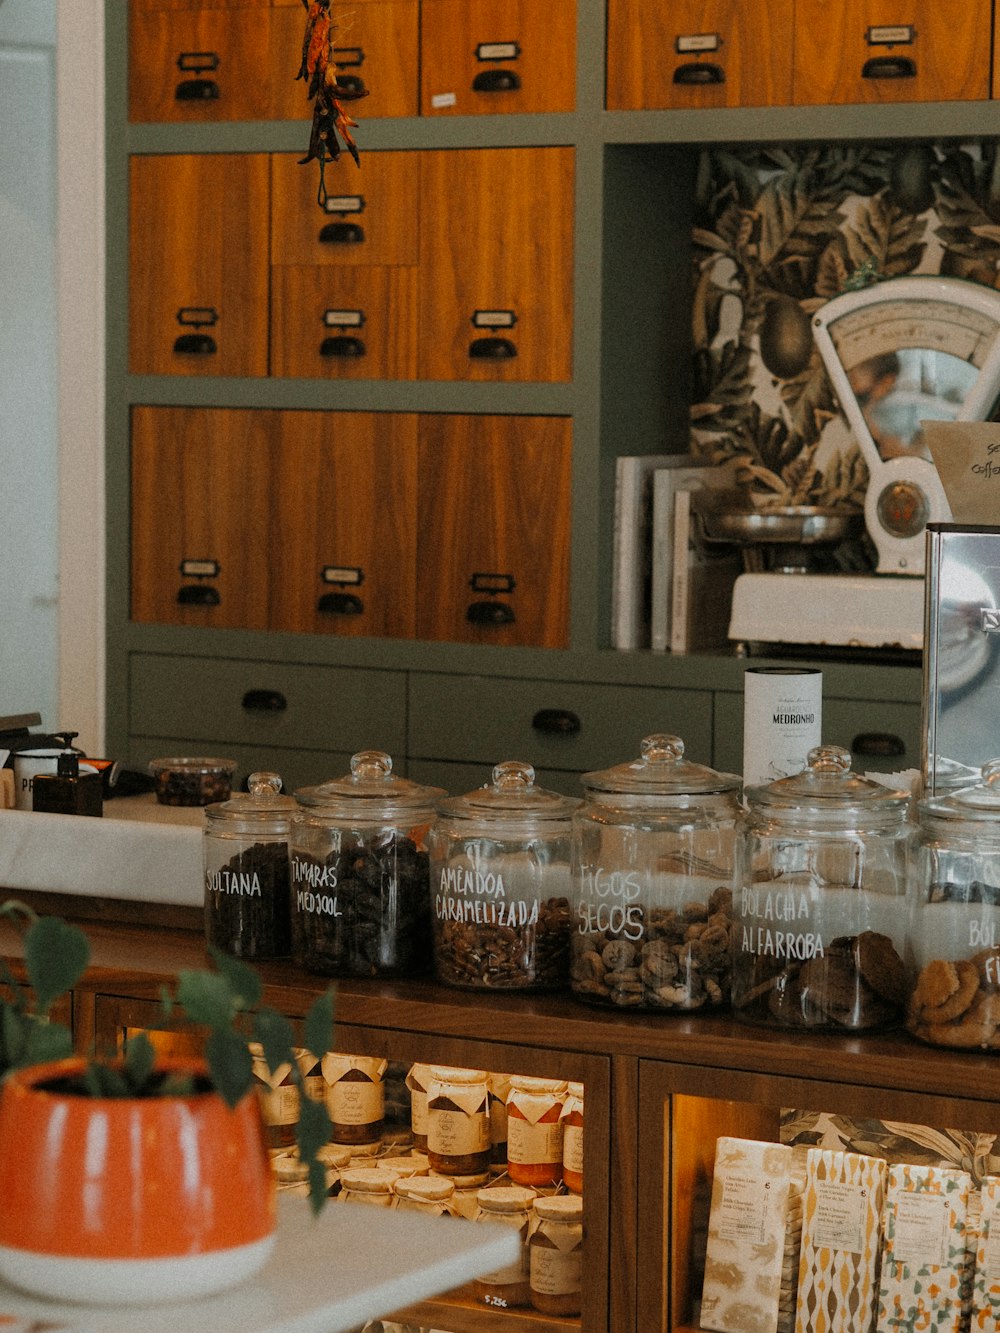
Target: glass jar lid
{"type": "Point", "coordinates": [260, 805]}
{"type": "Point", "coordinates": [370, 789]}
{"type": "Point", "coordinates": [978, 804]}
{"type": "Point", "coordinates": [826, 786]}
{"type": "Point", "coordinates": [661, 770]}
{"type": "Point", "coordinates": [511, 798]}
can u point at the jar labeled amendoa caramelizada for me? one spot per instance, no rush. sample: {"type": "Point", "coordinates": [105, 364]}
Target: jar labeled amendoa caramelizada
{"type": "Point", "coordinates": [355, 1097]}
{"type": "Point", "coordinates": [555, 1251]}
{"type": "Point", "coordinates": [821, 912]}
{"type": "Point", "coordinates": [359, 873]}
{"type": "Point", "coordinates": [653, 864]}
{"type": "Point", "coordinates": [247, 910]}
{"type": "Point", "coordinates": [535, 1130]}
{"type": "Point", "coordinates": [458, 1121]}
{"type": "Point", "coordinates": [500, 884]}
{"type": "Point", "coordinates": [954, 883]}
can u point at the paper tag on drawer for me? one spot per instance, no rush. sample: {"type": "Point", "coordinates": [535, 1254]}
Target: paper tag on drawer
{"type": "Point", "coordinates": [841, 1242]}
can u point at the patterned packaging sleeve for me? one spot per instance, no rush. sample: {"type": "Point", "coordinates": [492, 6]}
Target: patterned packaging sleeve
{"type": "Point", "coordinates": [924, 1251]}
{"type": "Point", "coordinates": [746, 1237]}
{"type": "Point", "coordinates": [986, 1287]}
{"type": "Point", "coordinates": [838, 1263]}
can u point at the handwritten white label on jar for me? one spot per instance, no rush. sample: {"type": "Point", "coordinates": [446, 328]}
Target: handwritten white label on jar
{"type": "Point", "coordinates": [619, 884]}
{"type": "Point", "coordinates": [554, 1273]}
{"type": "Point", "coordinates": [573, 1148]}
{"type": "Point", "coordinates": [744, 1210]}
{"type": "Point", "coordinates": [490, 909]}
{"type": "Point", "coordinates": [245, 885]}
{"type": "Point", "coordinates": [355, 1102]}
{"type": "Point", "coordinates": [611, 919]}
{"type": "Point", "coordinates": [784, 906]}
{"type": "Point", "coordinates": [840, 1214]}
{"type": "Point", "coordinates": [983, 935]}
{"type": "Point", "coordinates": [317, 874]}
{"type": "Point", "coordinates": [921, 1229]}
{"type": "Point", "coordinates": [528, 1143]}
{"type": "Point", "coordinates": [456, 1133]}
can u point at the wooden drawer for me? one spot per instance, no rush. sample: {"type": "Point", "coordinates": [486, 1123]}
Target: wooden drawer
{"type": "Point", "coordinates": [345, 505]}
{"type": "Point", "coordinates": [376, 48]}
{"type": "Point", "coordinates": [202, 533]}
{"type": "Point", "coordinates": [480, 57]}
{"type": "Point", "coordinates": [882, 51]}
{"type": "Point", "coordinates": [344, 322]}
{"type": "Point", "coordinates": [369, 218]}
{"type": "Point", "coordinates": [493, 530]}
{"type": "Point", "coordinates": [496, 264]}
{"type": "Point", "coordinates": [698, 53]}
{"type": "Point", "coordinates": [882, 737]}
{"type": "Point", "coordinates": [198, 267]}
{"type": "Point", "coordinates": [551, 724]}
{"type": "Point", "coordinates": [264, 704]}
{"type": "Point", "coordinates": [199, 63]}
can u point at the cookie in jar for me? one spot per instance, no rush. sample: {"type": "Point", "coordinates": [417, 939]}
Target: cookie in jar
{"type": "Point", "coordinates": [653, 864]}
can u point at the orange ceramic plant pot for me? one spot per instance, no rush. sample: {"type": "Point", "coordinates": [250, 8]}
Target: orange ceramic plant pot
{"type": "Point", "coordinates": [130, 1200]}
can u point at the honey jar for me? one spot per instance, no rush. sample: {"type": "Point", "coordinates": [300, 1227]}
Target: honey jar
{"type": "Point", "coordinates": [458, 1121]}
{"type": "Point", "coordinates": [535, 1131]}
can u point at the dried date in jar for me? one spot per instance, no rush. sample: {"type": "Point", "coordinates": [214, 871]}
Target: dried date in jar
{"type": "Point", "coordinates": [458, 1121]}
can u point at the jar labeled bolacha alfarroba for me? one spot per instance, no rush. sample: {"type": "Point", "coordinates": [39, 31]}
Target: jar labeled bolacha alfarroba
{"type": "Point", "coordinates": [535, 1131]}
{"type": "Point", "coordinates": [355, 1097]}
{"type": "Point", "coordinates": [458, 1121]}
{"type": "Point", "coordinates": [555, 1251]}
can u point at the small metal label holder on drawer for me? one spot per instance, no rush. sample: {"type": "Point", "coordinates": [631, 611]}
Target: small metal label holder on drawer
{"type": "Point", "coordinates": [961, 688]}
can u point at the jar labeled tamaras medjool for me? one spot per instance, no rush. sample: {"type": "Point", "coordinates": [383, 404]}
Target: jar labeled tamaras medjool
{"type": "Point", "coordinates": [555, 1251]}
{"type": "Point", "coordinates": [458, 1121]}
{"type": "Point", "coordinates": [500, 885]}
{"type": "Point", "coordinates": [653, 866]}
{"type": "Point", "coordinates": [511, 1206]}
{"type": "Point", "coordinates": [535, 1131]}
{"type": "Point", "coordinates": [278, 1097]}
{"type": "Point", "coordinates": [355, 1097]}
{"type": "Point", "coordinates": [572, 1123]}
{"type": "Point", "coordinates": [359, 873]}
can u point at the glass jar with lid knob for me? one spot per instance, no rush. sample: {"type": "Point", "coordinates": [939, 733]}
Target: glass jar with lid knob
{"type": "Point", "coordinates": [821, 937]}
{"type": "Point", "coordinates": [653, 858]}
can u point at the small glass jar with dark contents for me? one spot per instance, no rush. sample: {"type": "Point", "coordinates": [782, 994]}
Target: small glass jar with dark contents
{"type": "Point", "coordinates": [555, 1251]}
{"type": "Point", "coordinates": [511, 1206]}
{"type": "Point", "coordinates": [278, 1097]}
{"type": "Point", "coordinates": [458, 1121]}
{"type": "Point", "coordinates": [360, 873]}
{"type": "Point", "coordinates": [247, 911]}
{"type": "Point", "coordinates": [417, 1080]}
{"type": "Point", "coordinates": [355, 1097]}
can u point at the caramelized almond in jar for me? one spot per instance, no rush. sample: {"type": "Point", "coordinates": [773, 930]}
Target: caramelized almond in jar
{"type": "Point", "coordinates": [535, 1131]}
{"type": "Point", "coordinates": [555, 1251]}
{"type": "Point", "coordinates": [572, 1123]}
{"type": "Point", "coordinates": [511, 1206]}
{"type": "Point", "coordinates": [458, 1121]}
{"type": "Point", "coordinates": [355, 1097]}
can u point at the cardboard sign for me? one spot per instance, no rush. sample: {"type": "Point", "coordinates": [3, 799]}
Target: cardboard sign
{"type": "Point", "coordinates": [967, 457]}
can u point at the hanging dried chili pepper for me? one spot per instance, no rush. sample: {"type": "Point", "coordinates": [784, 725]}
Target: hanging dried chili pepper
{"type": "Point", "coordinates": [330, 122]}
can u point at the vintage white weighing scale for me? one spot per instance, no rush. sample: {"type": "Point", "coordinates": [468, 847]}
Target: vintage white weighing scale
{"type": "Point", "coordinates": [900, 352]}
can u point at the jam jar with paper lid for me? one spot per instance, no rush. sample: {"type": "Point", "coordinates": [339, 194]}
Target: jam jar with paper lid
{"type": "Point", "coordinates": [820, 922]}
{"type": "Point", "coordinates": [247, 911]}
{"type": "Point", "coordinates": [359, 873]}
{"type": "Point", "coordinates": [500, 884]}
{"type": "Point", "coordinates": [954, 885]}
{"type": "Point", "coordinates": [653, 861]}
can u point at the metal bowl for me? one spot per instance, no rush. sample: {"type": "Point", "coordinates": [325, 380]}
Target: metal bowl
{"type": "Point", "coordinates": [799, 524]}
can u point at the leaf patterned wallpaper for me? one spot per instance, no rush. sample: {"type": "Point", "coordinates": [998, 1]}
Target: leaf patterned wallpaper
{"type": "Point", "coordinates": [781, 230]}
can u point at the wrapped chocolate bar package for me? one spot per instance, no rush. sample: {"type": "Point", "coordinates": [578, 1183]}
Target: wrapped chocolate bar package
{"type": "Point", "coordinates": [986, 1283]}
{"type": "Point", "coordinates": [746, 1236]}
{"type": "Point", "coordinates": [924, 1273]}
{"type": "Point", "coordinates": [841, 1242]}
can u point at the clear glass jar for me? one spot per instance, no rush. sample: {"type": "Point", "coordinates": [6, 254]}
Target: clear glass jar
{"type": "Point", "coordinates": [499, 1086]}
{"type": "Point", "coordinates": [247, 909]}
{"type": "Point", "coordinates": [820, 912]}
{"type": "Point", "coordinates": [359, 873]}
{"type": "Point", "coordinates": [417, 1080]}
{"type": "Point", "coordinates": [500, 884]}
{"type": "Point", "coordinates": [955, 917]}
{"type": "Point", "coordinates": [458, 1121]}
{"type": "Point", "coordinates": [278, 1097]}
{"type": "Point", "coordinates": [511, 1206]}
{"type": "Point", "coordinates": [355, 1097]}
{"type": "Point", "coordinates": [535, 1131]}
{"type": "Point", "coordinates": [555, 1250]}
{"type": "Point", "coordinates": [572, 1123]}
{"type": "Point", "coordinates": [653, 869]}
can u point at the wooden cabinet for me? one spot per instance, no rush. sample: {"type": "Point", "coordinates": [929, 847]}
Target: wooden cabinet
{"type": "Point", "coordinates": [699, 53]}
{"type": "Point", "coordinates": [482, 57]}
{"type": "Point", "coordinates": [198, 270]}
{"type": "Point", "coordinates": [878, 51]}
{"type": "Point", "coordinates": [493, 530]}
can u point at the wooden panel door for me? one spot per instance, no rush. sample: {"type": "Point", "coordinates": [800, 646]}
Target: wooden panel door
{"type": "Point", "coordinates": [493, 530]}
{"type": "Point", "coordinates": [370, 215]}
{"type": "Point", "coordinates": [344, 322]}
{"type": "Point", "coordinates": [496, 264]}
{"type": "Point", "coordinates": [198, 264]}
{"type": "Point", "coordinates": [345, 504]}
{"type": "Point", "coordinates": [202, 535]}
{"type": "Point", "coordinates": [881, 51]}
{"type": "Point", "coordinates": [481, 57]}
{"type": "Point", "coordinates": [199, 64]}
{"type": "Point", "coordinates": [376, 48]}
{"type": "Point", "coordinates": [698, 53]}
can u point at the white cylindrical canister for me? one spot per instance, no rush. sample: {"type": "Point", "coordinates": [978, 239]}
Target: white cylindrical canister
{"type": "Point", "coordinates": [782, 720]}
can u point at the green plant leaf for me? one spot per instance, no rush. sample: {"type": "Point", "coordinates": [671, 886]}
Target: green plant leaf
{"type": "Point", "coordinates": [206, 997]}
{"type": "Point", "coordinates": [14, 1035]}
{"type": "Point", "coordinates": [313, 1129]}
{"type": "Point", "coordinates": [140, 1056]}
{"type": "Point", "coordinates": [46, 1041]}
{"type": "Point", "coordinates": [103, 1081]}
{"type": "Point", "coordinates": [317, 1185]}
{"type": "Point", "coordinates": [56, 955]}
{"type": "Point", "coordinates": [318, 1030]}
{"type": "Point", "coordinates": [244, 982]}
{"type": "Point", "coordinates": [230, 1065]}
{"type": "Point", "coordinates": [176, 1084]}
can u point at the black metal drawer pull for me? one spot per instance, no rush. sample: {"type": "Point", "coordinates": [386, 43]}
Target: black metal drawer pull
{"type": "Point", "coordinates": [697, 73]}
{"type": "Point", "coordinates": [264, 701]}
{"type": "Point", "coordinates": [889, 67]}
{"type": "Point", "coordinates": [878, 745]}
{"type": "Point", "coordinates": [197, 90]}
{"type": "Point", "coordinates": [341, 233]}
{"type": "Point", "coordinates": [496, 81]}
{"type": "Point", "coordinates": [350, 86]}
{"type": "Point", "coordinates": [490, 613]}
{"type": "Point", "coordinates": [195, 344]}
{"type": "Point", "coordinates": [557, 722]}
{"type": "Point", "coordinates": [340, 604]}
{"type": "Point", "coordinates": [198, 594]}
{"type": "Point", "coordinates": [492, 349]}
{"type": "Point", "coordinates": [342, 345]}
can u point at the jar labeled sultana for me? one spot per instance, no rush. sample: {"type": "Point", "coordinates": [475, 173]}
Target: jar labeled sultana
{"type": "Point", "coordinates": [535, 1131]}
{"type": "Point", "coordinates": [555, 1255]}
{"type": "Point", "coordinates": [458, 1121]}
